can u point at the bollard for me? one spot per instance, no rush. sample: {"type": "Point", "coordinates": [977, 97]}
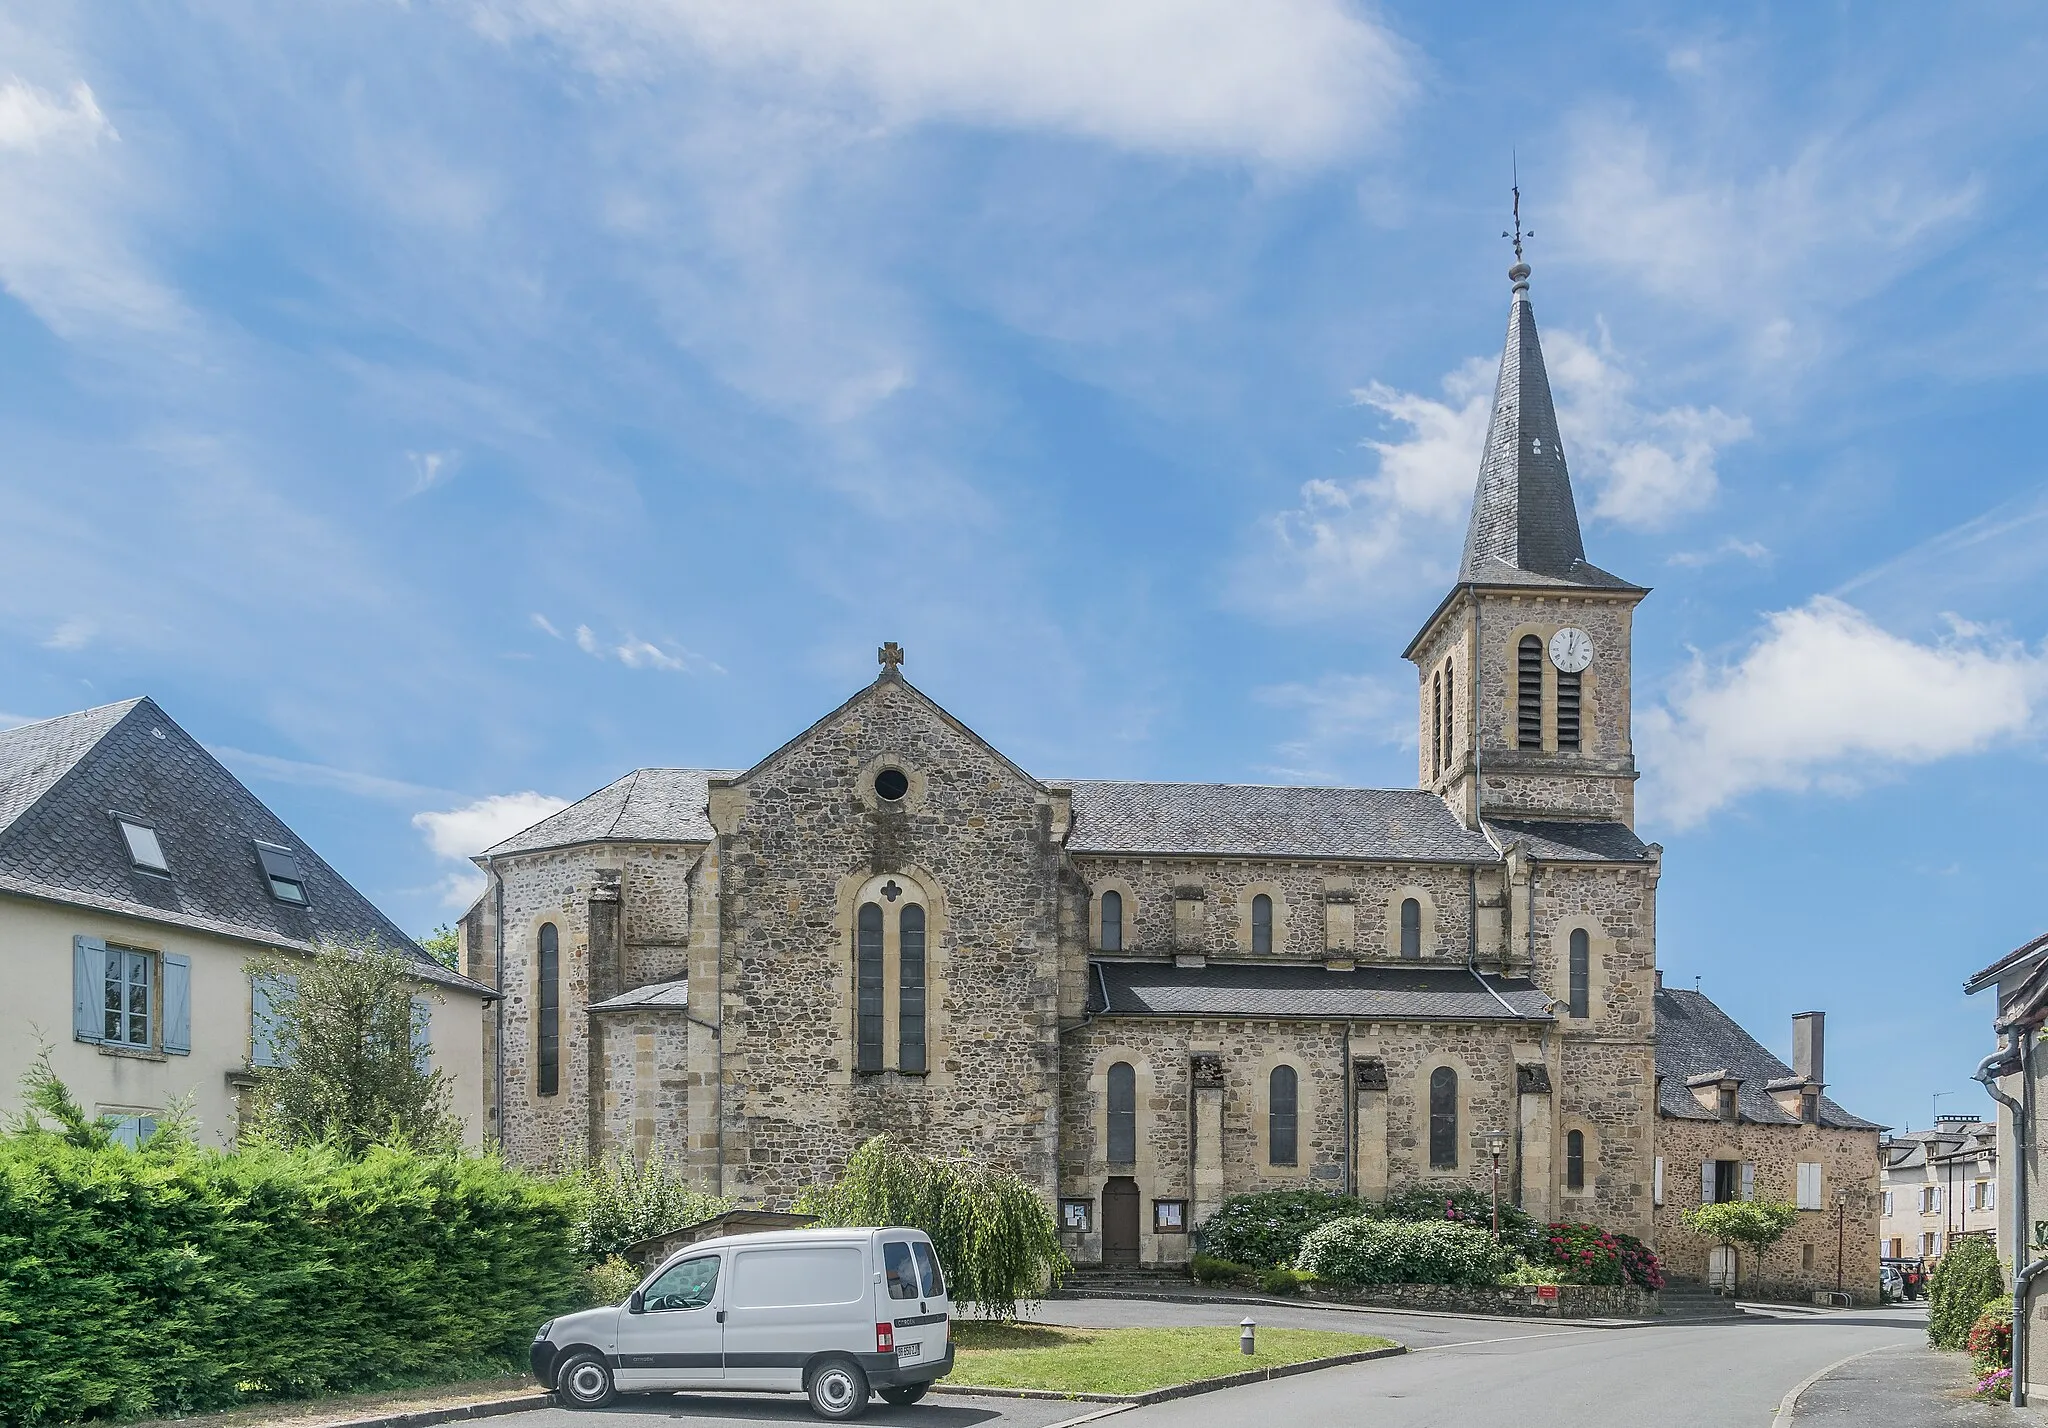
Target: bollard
{"type": "Point", "coordinates": [1244, 1336]}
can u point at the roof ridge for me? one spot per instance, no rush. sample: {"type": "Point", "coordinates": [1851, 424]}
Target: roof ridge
{"type": "Point", "coordinates": [78, 760]}
{"type": "Point", "coordinates": [1212, 783]}
{"type": "Point", "coordinates": [74, 714]}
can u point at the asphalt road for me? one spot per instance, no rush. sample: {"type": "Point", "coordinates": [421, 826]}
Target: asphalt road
{"type": "Point", "coordinates": [1460, 1372]}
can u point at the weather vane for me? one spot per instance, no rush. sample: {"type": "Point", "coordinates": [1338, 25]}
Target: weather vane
{"type": "Point", "coordinates": [1518, 235]}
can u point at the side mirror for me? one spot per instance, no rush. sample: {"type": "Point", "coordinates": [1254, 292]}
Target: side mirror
{"type": "Point", "coordinates": [636, 1303]}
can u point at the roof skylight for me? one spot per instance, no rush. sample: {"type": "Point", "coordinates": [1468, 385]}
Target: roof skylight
{"type": "Point", "coordinates": [144, 851]}
{"type": "Point", "coordinates": [281, 872]}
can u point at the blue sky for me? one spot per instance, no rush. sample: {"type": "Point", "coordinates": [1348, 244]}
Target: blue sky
{"type": "Point", "coordinates": [444, 408]}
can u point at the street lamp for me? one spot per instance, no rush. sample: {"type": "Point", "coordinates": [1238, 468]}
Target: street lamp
{"type": "Point", "coordinates": [1496, 1142]}
{"type": "Point", "coordinates": [1841, 1214]}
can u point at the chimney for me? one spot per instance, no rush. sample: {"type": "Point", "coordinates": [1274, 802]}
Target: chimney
{"type": "Point", "coordinates": [1809, 1047]}
{"type": "Point", "coordinates": [1660, 979]}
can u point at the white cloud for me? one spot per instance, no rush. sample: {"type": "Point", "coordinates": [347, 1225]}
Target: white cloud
{"type": "Point", "coordinates": [31, 120]}
{"type": "Point", "coordinates": [458, 834]}
{"type": "Point", "coordinates": [1643, 467]}
{"type": "Point", "coordinates": [73, 634]}
{"type": "Point", "coordinates": [1338, 713]}
{"type": "Point", "coordinates": [636, 653]}
{"type": "Point", "coordinates": [1733, 548]}
{"type": "Point", "coordinates": [430, 468]}
{"type": "Point", "coordinates": [1284, 82]}
{"type": "Point", "coordinates": [293, 771]}
{"type": "Point", "coordinates": [544, 625]}
{"type": "Point", "coordinates": [1826, 699]}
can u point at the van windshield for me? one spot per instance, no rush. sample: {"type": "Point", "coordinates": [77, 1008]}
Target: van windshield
{"type": "Point", "coordinates": [897, 1268]}
{"type": "Point", "coordinates": [928, 1269]}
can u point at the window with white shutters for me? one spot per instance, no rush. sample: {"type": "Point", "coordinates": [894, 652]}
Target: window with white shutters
{"type": "Point", "coordinates": [1809, 1185]}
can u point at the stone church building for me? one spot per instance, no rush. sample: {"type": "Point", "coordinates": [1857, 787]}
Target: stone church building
{"type": "Point", "coordinates": [1142, 996]}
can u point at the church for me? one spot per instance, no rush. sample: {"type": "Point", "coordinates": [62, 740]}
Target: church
{"type": "Point", "coordinates": [1144, 997]}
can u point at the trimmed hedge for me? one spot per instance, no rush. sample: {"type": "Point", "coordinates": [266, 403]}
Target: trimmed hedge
{"type": "Point", "coordinates": [1266, 1229]}
{"type": "Point", "coordinates": [173, 1279]}
{"type": "Point", "coordinates": [1363, 1250]}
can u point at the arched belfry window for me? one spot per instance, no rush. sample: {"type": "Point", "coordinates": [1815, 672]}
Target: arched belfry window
{"type": "Point", "coordinates": [1283, 1117]}
{"type": "Point", "coordinates": [1436, 723]}
{"type": "Point", "coordinates": [1123, 1114]}
{"type": "Point", "coordinates": [1262, 923]}
{"type": "Point", "coordinates": [1581, 973]}
{"type": "Point", "coordinates": [1450, 714]}
{"type": "Point", "coordinates": [1529, 694]}
{"type": "Point", "coordinates": [547, 1076]}
{"type": "Point", "coordinates": [1112, 939]}
{"type": "Point", "coordinates": [868, 992]}
{"type": "Point", "coordinates": [1575, 1160]}
{"type": "Point", "coordinates": [1411, 927]}
{"type": "Point", "coordinates": [1567, 710]}
{"type": "Point", "coordinates": [910, 983]}
{"type": "Point", "coordinates": [1443, 1119]}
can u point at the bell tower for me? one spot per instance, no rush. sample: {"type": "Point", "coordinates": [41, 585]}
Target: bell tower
{"type": "Point", "coordinates": [1524, 668]}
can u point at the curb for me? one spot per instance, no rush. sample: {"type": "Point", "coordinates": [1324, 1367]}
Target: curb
{"type": "Point", "coordinates": [1348, 1306]}
{"type": "Point", "coordinates": [487, 1408]}
{"type": "Point", "coordinates": [1176, 1390]}
{"type": "Point", "coordinates": [1790, 1402]}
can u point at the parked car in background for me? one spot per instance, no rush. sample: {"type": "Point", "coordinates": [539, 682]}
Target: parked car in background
{"type": "Point", "coordinates": [833, 1314]}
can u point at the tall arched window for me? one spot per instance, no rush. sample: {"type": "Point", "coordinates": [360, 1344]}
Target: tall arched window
{"type": "Point", "coordinates": [1123, 1114]}
{"type": "Point", "coordinates": [1283, 1094]}
{"type": "Point", "coordinates": [1529, 694]}
{"type": "Point", "coordinates": [1581, 973]}
{"type": "Point", "coordinates": [1575, 1160]}
{"type": "Point", "coordinates": [910, 980]}
{"type": "Point", "coordinates": [1450, 714]}
{"type": "Point", "coordinates": [1411, 927]}
{"type": "Point", "coordinates": [1262, 923]}
{"type": "Point", "coordinates": [1112, 922]}
{"type": "Point", "coordinates": [548, 1013]}
{"type": "Point", "coordinates": [1567, 710]}
{"type": "Point", "coordinates": [1443, 1119]}
{"type": "Point", "coordinates": [867, 976]}
{"type": "Point", "coordinates": [1436, 723]}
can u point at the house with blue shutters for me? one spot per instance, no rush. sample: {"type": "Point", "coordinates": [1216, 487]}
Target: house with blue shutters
{"type": "Point", "coordinates": [137, 878]}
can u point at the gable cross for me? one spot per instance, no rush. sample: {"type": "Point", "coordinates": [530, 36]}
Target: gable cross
{"type": "Point", "coordinates": [889, 656]}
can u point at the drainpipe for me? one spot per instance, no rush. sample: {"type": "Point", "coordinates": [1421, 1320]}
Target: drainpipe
{"type": "Point", "coordinates": [498, 917]}
{"type": "Point", "coordinates": [1350, 1120]}
{"type": "Point", "coordinates": [2021, 1135]}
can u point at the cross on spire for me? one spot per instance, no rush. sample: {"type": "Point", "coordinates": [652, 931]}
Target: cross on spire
{"type": "Point", "coordinates": [889, 657]}
{"type": "Point", "coordinates": [1516, 189]}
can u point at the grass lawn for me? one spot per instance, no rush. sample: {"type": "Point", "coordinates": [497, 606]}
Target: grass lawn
{"type": "Point", "coordinates": [1127, 1360]}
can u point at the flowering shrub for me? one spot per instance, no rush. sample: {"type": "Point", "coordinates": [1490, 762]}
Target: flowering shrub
{"type": "Point", "coordinates": [1362, 1250]}
{"type": "Point", "coordinates": [1995, 1387]}
{"type": "Point", "coordinates": [1639, 1263]}
{"type": "Point", "coordinates": [1990, 1341]}
{"type": "Point", "coordinates": [1579, 1254]}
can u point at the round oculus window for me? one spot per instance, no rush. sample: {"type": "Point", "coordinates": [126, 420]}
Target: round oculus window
{"type": "Point", "coordinates": [891, 784]}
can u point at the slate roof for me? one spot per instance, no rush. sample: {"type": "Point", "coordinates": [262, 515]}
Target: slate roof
{"type": "Point", "coordinates": [2030, 948]}
{"type": "Point", "coordinates": [646, 806]}
{"type": "Point", "coordinates": [1695, 1037]}
{"type": "Point", "coordinates": [1307, 990]}
{"type": "Point", "coordinates": [66, 778]}
{"type": "Point", "coordinates": [1525, 525]}
{"type": "Point", "coordinates": [1573, 842]}
{"type": "Point", "coordinates": [1266, 820]}
{"type": "Point", "coordinates": [655, 996]}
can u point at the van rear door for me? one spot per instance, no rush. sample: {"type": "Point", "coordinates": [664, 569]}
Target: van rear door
{"type": "Point", "coordinates": [914, 1290]}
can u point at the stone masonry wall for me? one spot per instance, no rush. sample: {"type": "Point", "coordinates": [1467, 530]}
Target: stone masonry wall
{"type": "Point", "coordinates": [1804, 1261]}
{"type": "Point", "coordinates": [800, 836]}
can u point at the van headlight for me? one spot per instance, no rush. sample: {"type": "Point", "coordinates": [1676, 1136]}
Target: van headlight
{"type": "Point", "coordinates": [542, 1332]}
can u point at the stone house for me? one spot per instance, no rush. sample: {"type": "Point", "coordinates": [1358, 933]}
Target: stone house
{"type": "Point", "coordinates": [1937, 1184]}
{"type": "Point", "coordinates": [137, 878]}
{"type": "Point", "coordinates": [1141, 996]}
{"type": "Point", "coordinates": [1736, 1123]}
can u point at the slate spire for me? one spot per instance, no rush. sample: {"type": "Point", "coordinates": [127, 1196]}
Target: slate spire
{"type": "Point", "coordinates": [1522, 514]}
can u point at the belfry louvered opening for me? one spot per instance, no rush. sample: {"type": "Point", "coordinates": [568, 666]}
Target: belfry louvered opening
{"type": "Point", "coordinates": [1529, 693]}
{"type": "Point", "coordinates": [1567, 710]}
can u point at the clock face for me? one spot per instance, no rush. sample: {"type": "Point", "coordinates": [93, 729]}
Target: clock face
{"type": "Point", "coordinates": [1571, 649]}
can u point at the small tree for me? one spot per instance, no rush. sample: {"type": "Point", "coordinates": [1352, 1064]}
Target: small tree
{"type": "Point", "coordinates": [343, 1023]}
{"type": "Point", "coordinates": [623, 1198]}
{"type": "Point", "coordinates": [443, 945]}
{"type": "Point", "coordinates": [1754, 1225]}
{"type": "Point", "coordinates": [1965, 1279]}
{"type": "Point", "coordinates": [995, 1237]}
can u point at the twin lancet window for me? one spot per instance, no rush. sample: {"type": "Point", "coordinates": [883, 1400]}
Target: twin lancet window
{"type": "Point", "coordinates": [1443, 703]}
{"type": "Point", "coordinates": [876, 928]}
{"type": "Point", "coordinates": [1529, 662]}
{"type": "Point", "coordinates": [548, 1014]}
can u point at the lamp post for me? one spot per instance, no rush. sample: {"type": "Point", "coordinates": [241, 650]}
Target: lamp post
{"type": "Point", "coordinates": [1841, 1215]}
{"type": "Point", "coordinates": [1496, 1142]}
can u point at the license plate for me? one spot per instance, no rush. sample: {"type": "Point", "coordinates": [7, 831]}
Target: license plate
{"type": "Point", "coordinates": [907, 1352]}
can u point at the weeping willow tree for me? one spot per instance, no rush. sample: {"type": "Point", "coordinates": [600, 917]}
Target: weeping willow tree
{"type": "Point", "coordinates": [996, 1239]}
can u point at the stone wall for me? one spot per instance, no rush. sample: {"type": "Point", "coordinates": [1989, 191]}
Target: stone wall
{"type": "Point", "coordinates": [643, 1063]}
{"type": "Point", "coordinates": [1564, 1301]}
{"type": "Point", "coordinates": [1804, 1261]}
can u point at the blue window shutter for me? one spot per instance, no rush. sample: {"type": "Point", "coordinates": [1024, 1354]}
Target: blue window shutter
{"type": "Point", "coordinates": [88, 988]}
{"type": "Point", "coordinates": [263, 1021]}
{"type": "Point", "coordinates": [422, 1034]}
{"type": "Point", "coordinates": [177, 1004]}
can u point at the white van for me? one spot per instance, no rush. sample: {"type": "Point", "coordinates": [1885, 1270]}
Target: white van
{"type": "Point", "coordinates": [834, 1314]}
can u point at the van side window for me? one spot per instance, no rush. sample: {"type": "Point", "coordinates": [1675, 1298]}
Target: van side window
{"type": "Point", "coordinates": [928, 1269]}
{"type": "Point", "coordinates": [688, 1285]}
{"type": "Point", "coordinates": [900, 1272]}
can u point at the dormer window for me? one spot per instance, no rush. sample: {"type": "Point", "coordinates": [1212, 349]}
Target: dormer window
{"type": "Point", "coordinates": [281, 872]}
{"type": "Point", "coordinates": [144, 851]}
{"type": "Point", "coordinates": [1726, 1103]}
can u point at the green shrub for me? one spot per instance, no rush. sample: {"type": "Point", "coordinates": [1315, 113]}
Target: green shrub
{"type": "Point", "coordinates": [1362, 1250]}
{"type": "Point", "coordinates": [174, 1279]}
{"type": "Point", "coordinates": [1420, 1203]}
{"type": "Point", "coordinates": [1207, 1269]}
{"type": "Point", "coordinates": [622, 1199]}
{"type": "Point", "coordinates": [1266, 1229]}
{"type": "Point", "coordinates": [1284, 1280]}
{"type": "Point", "coordinates": [611, 1281]}
{"type": "Point", "coordinates": [995, 1237]}
{"type": "Point", "coordinates": [1965, 1280]}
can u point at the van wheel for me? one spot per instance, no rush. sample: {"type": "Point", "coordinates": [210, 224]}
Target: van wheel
{"type": "Point", "coordinates": [908, 1394]}
{"type": "Point", "coordinates": [838, 1390]}
{"type": "Point", "coordinates": [584, 1382]}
